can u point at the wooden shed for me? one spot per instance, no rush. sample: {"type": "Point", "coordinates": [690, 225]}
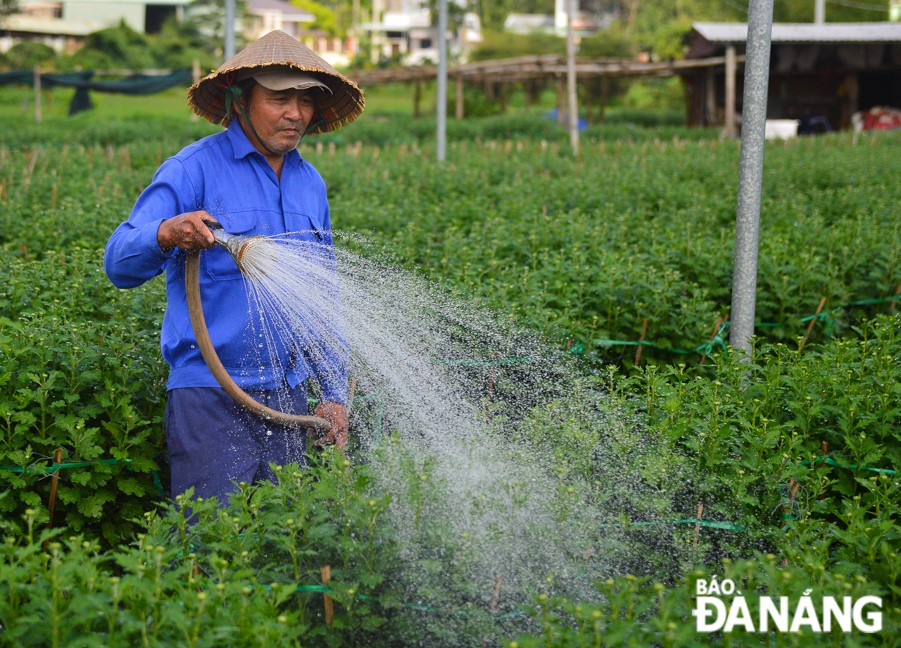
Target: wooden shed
{"type": "Point", "coordinates": [819, 73]}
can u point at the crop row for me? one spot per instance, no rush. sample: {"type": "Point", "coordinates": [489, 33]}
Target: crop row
{"type": "Point", "coordinates": [796, 452]}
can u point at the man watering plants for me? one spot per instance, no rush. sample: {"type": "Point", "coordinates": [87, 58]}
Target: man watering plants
{"type": "Point", "coordinates": [251, 181]}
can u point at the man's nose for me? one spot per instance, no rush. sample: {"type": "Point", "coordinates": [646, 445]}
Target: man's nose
{"type": "Point", "coordinates": [293, 110]}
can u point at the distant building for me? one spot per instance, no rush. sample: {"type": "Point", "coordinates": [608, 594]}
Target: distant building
{"type": "Point", "coordinates": [264, 16]}
{"type": "Point", "coordinates": [824, 72]}
{"type": "Point", "coordinates": [404, 29]}
{"type": "Point", "coordinates": [145, 16]}
{"type": "Point", "coordinates": [43, 22]}
{"type": "Point", "coordinates": [584, 22]}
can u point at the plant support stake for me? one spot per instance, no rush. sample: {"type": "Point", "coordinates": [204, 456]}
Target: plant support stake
{"type": "Point", "coordinates": [750, 174]}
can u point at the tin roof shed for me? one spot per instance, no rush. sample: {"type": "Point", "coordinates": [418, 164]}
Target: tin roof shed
{"type": "Point", "coordinates": [817, 71]}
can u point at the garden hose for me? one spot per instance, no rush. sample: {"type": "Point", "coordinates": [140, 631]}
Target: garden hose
{"type": "Point", "coordinates": [198, 323]}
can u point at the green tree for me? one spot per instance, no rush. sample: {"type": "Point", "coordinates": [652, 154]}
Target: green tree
{"type": "Point", "coordinates": [8, 8]}
{"type": "Point", "coordinates": [497, 45]}
{"type": "Point", "coordinates": [26, 54]}
{"type": "Point", "coordinates": [326, 17]}
{"type": "Point", "coordinates": [115, 48]}
{"type": "Point", "coordinates": [208, 18]}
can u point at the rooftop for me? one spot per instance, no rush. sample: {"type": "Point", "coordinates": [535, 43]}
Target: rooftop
{"type": "Point", "coordinates": [875, 32]}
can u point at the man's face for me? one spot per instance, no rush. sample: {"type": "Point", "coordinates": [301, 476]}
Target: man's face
{"type": "Point", "coordinates": [279, 118]}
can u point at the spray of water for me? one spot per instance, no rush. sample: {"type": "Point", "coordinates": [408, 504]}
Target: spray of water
{"type": "Point", "coordinates": [508, 468]}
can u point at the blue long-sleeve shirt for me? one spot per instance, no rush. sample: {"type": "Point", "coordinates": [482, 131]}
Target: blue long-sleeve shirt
{"type": "Point", "coordinates": [226, 176]}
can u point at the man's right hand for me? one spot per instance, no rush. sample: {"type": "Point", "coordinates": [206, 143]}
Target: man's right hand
{"type": "Point", "coordinates": [186, 231]}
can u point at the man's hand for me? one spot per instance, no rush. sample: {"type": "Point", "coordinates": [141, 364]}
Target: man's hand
{"type": "Point", "coordinates": [186, 231]}
{"type": "Point", "coordinates": [336, 414]}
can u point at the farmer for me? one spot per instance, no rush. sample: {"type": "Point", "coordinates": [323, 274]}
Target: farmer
{"type": "Point", "coordinates": [251, 180]}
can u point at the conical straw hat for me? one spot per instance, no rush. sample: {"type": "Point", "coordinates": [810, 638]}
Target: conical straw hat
{"type": "Point", "coordinates": [342, 106]}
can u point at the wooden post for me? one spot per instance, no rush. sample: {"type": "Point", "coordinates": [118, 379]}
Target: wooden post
{"type": "Point", "coordinates": [717, 323]}
{"type": "Point", "coordinates": [496, 595]}
{"type": "Point", "coordinates": [644, 330]}
{"type": "Point", "coordinates": [326, 599]}
{"type": "Point", "coordinates": [709, 97]}
{"type": "Point", "coordinates": [54, 483]}
{"type": "Point", "coordinates": [605, 95]}
{"type": "Point", "coordinates": [894, 304]}
{"type": "Point", "coordinates": [458, 97]}
{"type": "Point", "coordinates": [812, 322]}
{"type": "Point", "coordinates": [38, 116]}
{"type": "Point", "coordinates": [417, 98]}
{"type": "Point", "coordinates": [698, 526]}
{"type": "Point", "coordinates": [195, 77]}
{"type": "Point", "coordinates": [730, 91]}
{"type": "Point", "coordinates": [561, 99]}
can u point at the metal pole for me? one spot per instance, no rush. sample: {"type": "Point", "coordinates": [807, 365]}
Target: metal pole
{"type": "Point", "coordinates": [572, 106]}
{"type": "Point", "coordinates": [229, 29]}
{"type": "Point", "coordinates": [750, 173]}
{"type": "Point", "coordinates": [441, 144]}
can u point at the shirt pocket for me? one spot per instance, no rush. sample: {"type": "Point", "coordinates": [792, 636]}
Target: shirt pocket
{"type": "Point", "coordinates": [306, 227]}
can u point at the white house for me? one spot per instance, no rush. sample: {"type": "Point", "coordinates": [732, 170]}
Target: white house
{"type": "Point", "coordinates": [584, 22]}
{"type": "Point", "coordinates": [264, 16]}
{"type": "Point", "coordinates": [405, 29]}
{"type": "Point", "coordinates": [146, 16]}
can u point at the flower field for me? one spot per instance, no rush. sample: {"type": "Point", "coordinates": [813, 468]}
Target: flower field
{"type": "Point", "coordinates": [779, 475]}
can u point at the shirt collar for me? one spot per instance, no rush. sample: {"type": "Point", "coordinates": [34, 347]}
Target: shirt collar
{"type": "Point", "coordinates": [242, 146]}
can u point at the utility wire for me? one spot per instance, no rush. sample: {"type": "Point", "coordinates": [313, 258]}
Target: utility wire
{"type": "Point", "coordinates": [735, 5]}
{"type": "Point", "coordinates": [858, 5]}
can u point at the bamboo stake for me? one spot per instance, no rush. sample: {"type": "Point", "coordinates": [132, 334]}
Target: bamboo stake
{"type": "Point", "coordinates": [54, 483]}
{"type": "Point", "coordinates": [53, 197]}
{"type": "Point", "coordinates": [38, 116]}
{"type": "Point", "coordinates": [717, 323]}
{"type": "Point", "coordinates": [811, 324]}
{"type": "Point", "coordinates": [495, 597]}
{"type": "Point", "coordinates": [897, 293]}
{"type": "Point", "coordinates": [644, 330]}
{"type": "Point", "coordinates": [492, 376]}
{"type": "Point", "coordinates": [698, 526]}
{"type": "Point", "coordinates": [326, 599]}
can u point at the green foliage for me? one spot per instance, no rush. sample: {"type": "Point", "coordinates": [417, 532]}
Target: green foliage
{"type": "Point", "coordinates": [325, 17]}
{"type": "Point", "coordinates": [245, 576]}
{"type": "Point", "coordinates": [796, 446]}
{"type": "Point", "coordinates": [639, 611]}
{"type": "Point", "coordinates": [114, 48]}
{"type": "Point", "coordinates": [8, 7]}
{"type": "Point", "coordinates": [500, 45]}
{"type": "Point", "coordinates": [614, 42]}
{"type": "Point", "coordinates": [589, 248]}
{"type": "Point", "coordinates": [26, 54]}
{"type": "Point", "coordinates": [655, 95]}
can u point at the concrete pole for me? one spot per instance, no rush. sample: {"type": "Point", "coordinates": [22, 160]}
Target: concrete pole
{"type": "Point", "coordinates": [441, 135]}
{"type": "Point", "coordinates": [750, 174]}
{"type": "Point", "coordinates": [571, 106]}
{"type": "Point", "coordinates": [229, 29]}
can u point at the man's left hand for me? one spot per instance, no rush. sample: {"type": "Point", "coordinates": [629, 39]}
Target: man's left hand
{"type": "Point", "coordinates": [336, 414]}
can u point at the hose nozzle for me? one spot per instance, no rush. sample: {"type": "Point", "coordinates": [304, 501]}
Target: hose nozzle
{"type": "Point", "coordinates": [234, 244]}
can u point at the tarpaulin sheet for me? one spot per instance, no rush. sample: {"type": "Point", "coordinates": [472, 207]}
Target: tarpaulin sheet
{"type": "Point", "coordinates": [136, 84]}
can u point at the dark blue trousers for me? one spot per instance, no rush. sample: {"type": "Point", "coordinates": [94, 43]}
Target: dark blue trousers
{"type": "Point", "coordinates": [214, 442]}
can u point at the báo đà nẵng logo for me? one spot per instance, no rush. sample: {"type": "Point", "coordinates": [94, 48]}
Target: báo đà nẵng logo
{"type": "Point", "coordinates": [719, 606]}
